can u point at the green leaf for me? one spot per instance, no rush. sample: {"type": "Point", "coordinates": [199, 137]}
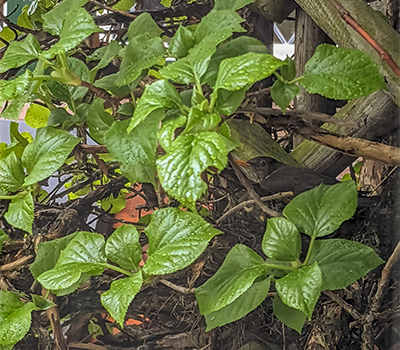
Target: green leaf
{"type": "Point", "coordinates": [231, 4]}
{"type": "Point", "coordinates": [281, 240]}
{"type": "Point", "coordinates": [229, 101]}
{"type": "Point", "coordinates": [138, 55]}
{"type": "Point", "coordinates": [288, 316]}
{"type": "Point", "coordinates": [176, 240]}
{"type": "Point", "coordinates": [77, 26]}
{"type": "Point", "coordinates": [48, 254]}
{"type": "Point", "coordinates": [341, 74]}
{"type": "Point", "coordinates": [20, 213]}
{"type": "Point", "coordinates": [191, 68]}
{"type": "Point", "coordinates": [219, 24]}
{"type": "Point", "coordinates": [126, 109]}
{"type": "Point", "coordinates": [320, 211]}
{"type": "Point", "coordinates": [3, 238]}
{"type": "Point", "coordinates": [288, 72]}
{"type": "Point", "coordinates": [235, 276]}
{"type": "Point", "coordinates": [20, 53]}
{"type": "Point", "coordinates": [108, 83]}
{"type": "Point", "coordinates": [136, 151]}
{"type": "Point", "coordinates": [37, 116]}
{"type": "Point", "coordinates": [300, 289]}
{"type": "Point", "coordinates": [42, 303]}
{"type": "Point", "coordinates": [123, 247]}
{"type": "Point", "coordinates": [60, 117]}
{"type": "Point", "coordinates": [84, 254]}
{"type": "Point", "coordinates": [144, 25]}
{"type": "Point", "coordinates": [283, 93]}
{"type": "Point", "coordinates": [23, 19]}
{"type": "Point", "coordinates": [233, 48]}
{"type": "Point", "coordinates": [15, 318]}
{"type": "Point", "coordinates": [343, 262]}
{"type": "Point", "coordinates": [47, 153]}
{"type": "Point", "coordinates": [11, 173]}
{"type": "Point", "coordinates": [239, 72]}
{"type": "Point", "coordinates": [114, 205]}
{"type": "Point", "coordinates": [11, 89]}
{"type": "Point", "coordinates": [121, 293]}
{"type": "Point", "coordinates": [225, 132]}
{"type": "Point", "coordinates": [240, 307]}
{"type": "Point", "coordinates": [108, 53]}
{"type": "Point", "coordinates": [181, 42]}
{"type": "Point", "coordinates": [180, 169]}
{"type": "Point", "coordinates": [124, 5]}
{"type": "Point", "coordinates": [199, 121]}
{"type": "Point", "coordinates": [167, 133]}
{"type": "Point", "coordinates": [99, 121]}
{"type": "Point", "coordinates": [53, 20]}
{"type": "Point", "coordinates": [7, 34]}
{"type": "Point", "coordinates": [159, 95]}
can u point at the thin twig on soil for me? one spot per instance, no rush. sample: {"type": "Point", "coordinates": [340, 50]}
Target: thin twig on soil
{"type": "Point", "coordinates": [15, 264]}
{"type": "Point", "coordinates": [176, 287]}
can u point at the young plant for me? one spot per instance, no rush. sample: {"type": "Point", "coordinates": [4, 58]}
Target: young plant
{"type": "Point", "coordinates": [244, 279]}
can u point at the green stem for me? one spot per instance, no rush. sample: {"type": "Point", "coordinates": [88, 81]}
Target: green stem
{"type": "Point", "coordinates": [310, 248]}
{"type": "Point", "coordinates": [15, 196]}
{"type": "Point", "coordinates": [44, 60]}
{"type": "Point", "coordinates": [45, 77]}
{"type": "Point", "coordinates": [296, 80]}
{"type": "Point", "coordinates": [198, 86]}
{"type": "Point", "coordinates": [185, 109]}
{"type": "Point", "coordinates": [118, 269]}
{"type": "Point", "coordinates": [212, 102]}
{"type": "Point", "coordinates": [281, 267]}
{"type": "Point", "coordinates": [279, 76]}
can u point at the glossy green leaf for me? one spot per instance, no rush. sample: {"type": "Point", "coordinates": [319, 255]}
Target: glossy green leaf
{"type": "Point", "coordinates": [181, 42]}
{"type": "Point", "coordinates": [107, 54]}
{"type": "Point", "coordinates": [11, 89]}
{"type": "Point", "coordinates": [37, 116]}
{"type": "Point", "coordinates": [235, 276]}
{"type": "Point", "coordinates": [48, 254]}
{"type": "Point", "coordinates": [84, 254]}
{"type": "Point", "coordinates": [281, 240]}
{"type": "Point", "coordinates": [13, 110]}
{"type": "Point", "coordinates": [138, 55]}
{"type": "Point", "coordinates": [7, 34]}
{"type": "Point", "coordinates": [19, 53]}
{"type": "Point", "coordinates": [47, 153]}
{"type": "Point", "coordinates": [12, 175]}
{"type": "Point", "coordinates": [20, 213]}
{"type": "Point", "coordinates": [229, 101]}
{"type": "Point", "coordinates": [126, 109]}
{"type": "Point", "coordinates": [159, 95]}
{"type": "Point", "coordinates": [77, 26]}
{"type": "Point", "coordinates": [124, 5]}
{"type": "Point", "coordinates": [192, 67]}
{"type": "Point", "coordinates": [288, 316]}
{"type": "Point", "coordinates": [283, 93]}
{"type": "Point", "coordinates": [123, 247]}
{"type": "Point", "coordinates": [233, 48]}
{"type": "Point", "coordinates": [288, 71]}
{"type": "Point", "coordinates": [42, 303]}
{"type": "Point", "coordinates": [240, 307]}
{"type": "Point", "coordinates": [136, 151]}
{"type": "Point", "coordinates": [180, 169]}
{"type": "Point", "coordinates": [341, 73]}
{"type": "Point", "coordinates": [231, 4]}
{"type": "Point", "coordinates": [199, 121]}
{"type": "Point", "coordinates": [238, 72]}
{"type": "Point", "coordinates": [225, 132]}
{"type": "Point", "coordinates": [98, 121]}
{"type": "Point", "coordinates": [121, 293]}
{"type": "Point", "coordinates": [24, 20]}
{"type": "Point", "coordinates": [320, 211]}
{"type": "Point", "coordinates": [53, 20]}
{"type": "Point", "coordinates": [219, 24]}
{"type": "Point", "coordinates": [300, 289]}
{"type": "Point", "coordinates": [167, 133]}
{"type": "Point", "coordinates": [15, 318]}
{"type": "Point", "coordinates": [176, 239]}
{"type": "Point", "coordinates": [60, 117]}
{"type": "Point", "coordinates": [108, 83]}
{"type": "Point", "coordinates": [343, 262]}
{"type": "Point", "coordinates": [144, 25]}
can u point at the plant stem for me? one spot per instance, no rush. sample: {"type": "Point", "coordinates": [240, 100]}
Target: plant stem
{"type": "Point", "coordinates": [279, 76]}
{"type": "Point", "coordinates": [15, 196]}
{"type": "Point", "coordinates": [212, 102]}
{"type": "Point", "coordinates": [310, 248]}
{"type": "Point", "coordinates": [118, 269]}
{"type": "Point", "coordinates": [295, 80]}
{"type": "Point", "coordinates": [281, 267]}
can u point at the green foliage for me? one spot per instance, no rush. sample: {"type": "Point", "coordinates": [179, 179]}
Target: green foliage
{"type": "Point", "coordinates": [172, 139]}
{"type": "Point", "coordinates": [329, 264]}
